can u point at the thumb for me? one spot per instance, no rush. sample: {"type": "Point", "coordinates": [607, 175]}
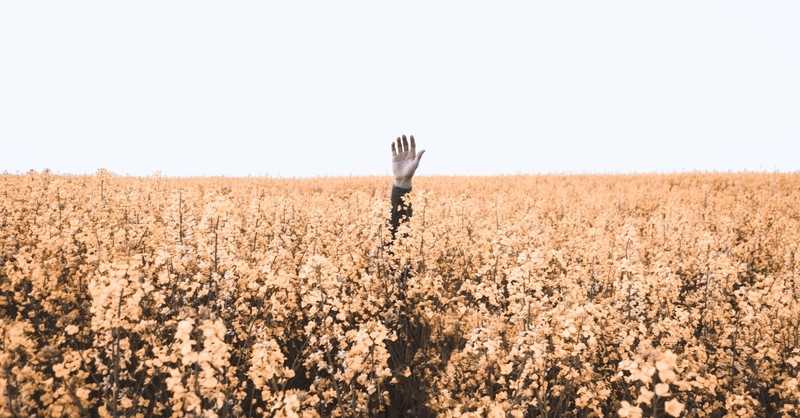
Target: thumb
{"type": "Point", "coordinates": [419, 155]}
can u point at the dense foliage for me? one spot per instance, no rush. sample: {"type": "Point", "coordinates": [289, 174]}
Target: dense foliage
{"type": "Point", "coordinates": [654, 295]}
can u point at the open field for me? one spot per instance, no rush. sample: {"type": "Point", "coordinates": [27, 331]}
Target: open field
{"type": "Point", "coordinates": [660, 295]}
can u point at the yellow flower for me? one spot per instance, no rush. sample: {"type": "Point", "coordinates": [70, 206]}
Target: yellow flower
{"type": "Point", "coordinates": [82, 394]}
{"type": "Point", "coordinates": [673, 407]}
{"type": "Point", "coordinates": [662, 389]}
{"type": "Point", "coordinates": [505, 369]}
{"type": "Point", "coordinates": [645, 396]}
{"type": "Point", "coordinates": [629, 411]}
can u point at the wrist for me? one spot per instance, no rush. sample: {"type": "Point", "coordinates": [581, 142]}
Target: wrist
{"type": "Point", "coordinates": [403, 183]}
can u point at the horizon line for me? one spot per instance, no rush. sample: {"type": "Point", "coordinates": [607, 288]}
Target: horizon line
{"type": "Point", "coordinates": [158, 174]}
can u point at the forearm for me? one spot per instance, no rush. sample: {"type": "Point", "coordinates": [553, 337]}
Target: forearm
{"type": "Point", "coordinates": [399, 209]}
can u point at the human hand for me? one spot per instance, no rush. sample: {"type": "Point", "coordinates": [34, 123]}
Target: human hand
{"type": "Point", "coordinates": [405, 161]}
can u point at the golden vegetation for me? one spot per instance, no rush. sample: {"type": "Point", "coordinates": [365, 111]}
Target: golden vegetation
{"type": "Point", "coordinates": [669, 295]}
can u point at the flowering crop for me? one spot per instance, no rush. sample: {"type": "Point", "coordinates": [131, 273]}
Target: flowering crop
{"type": "Point", "coordinates": [639, 295]}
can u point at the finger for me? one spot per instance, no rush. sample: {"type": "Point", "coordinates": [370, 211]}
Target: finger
{"type": "Point", "coordinates": [405, 144]}
{"type": "Point", "coordinates": [419, 156]}
{"type": "Point", "coordinates": [394, 150]}
{"type": "Point", "coordinates": [399, 145]}
{"type": "Point", "coordinates": [413, 145]}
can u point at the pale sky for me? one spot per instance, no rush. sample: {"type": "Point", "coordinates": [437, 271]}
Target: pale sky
{"type": "Point", "coordinates": [301, 89]}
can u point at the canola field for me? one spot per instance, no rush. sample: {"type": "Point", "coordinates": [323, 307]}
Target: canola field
{"type": "Point", "coordinates": [518, 296]}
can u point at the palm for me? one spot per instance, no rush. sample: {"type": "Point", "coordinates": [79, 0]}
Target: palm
{"type": "Point", "coordinates": [404, 164]}
{"type": "Point", "coordinates": [405, 158]}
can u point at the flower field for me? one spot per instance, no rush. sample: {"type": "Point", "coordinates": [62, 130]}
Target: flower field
{"type": "Point", "coordinates": [521, 296]}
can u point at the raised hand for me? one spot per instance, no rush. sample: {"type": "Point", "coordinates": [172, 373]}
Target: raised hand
{"type": "Point", "coordinates": [405, 161]}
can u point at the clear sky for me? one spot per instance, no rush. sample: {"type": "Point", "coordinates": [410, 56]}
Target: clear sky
{"type": "Point", "coordinates": [321, 87]}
